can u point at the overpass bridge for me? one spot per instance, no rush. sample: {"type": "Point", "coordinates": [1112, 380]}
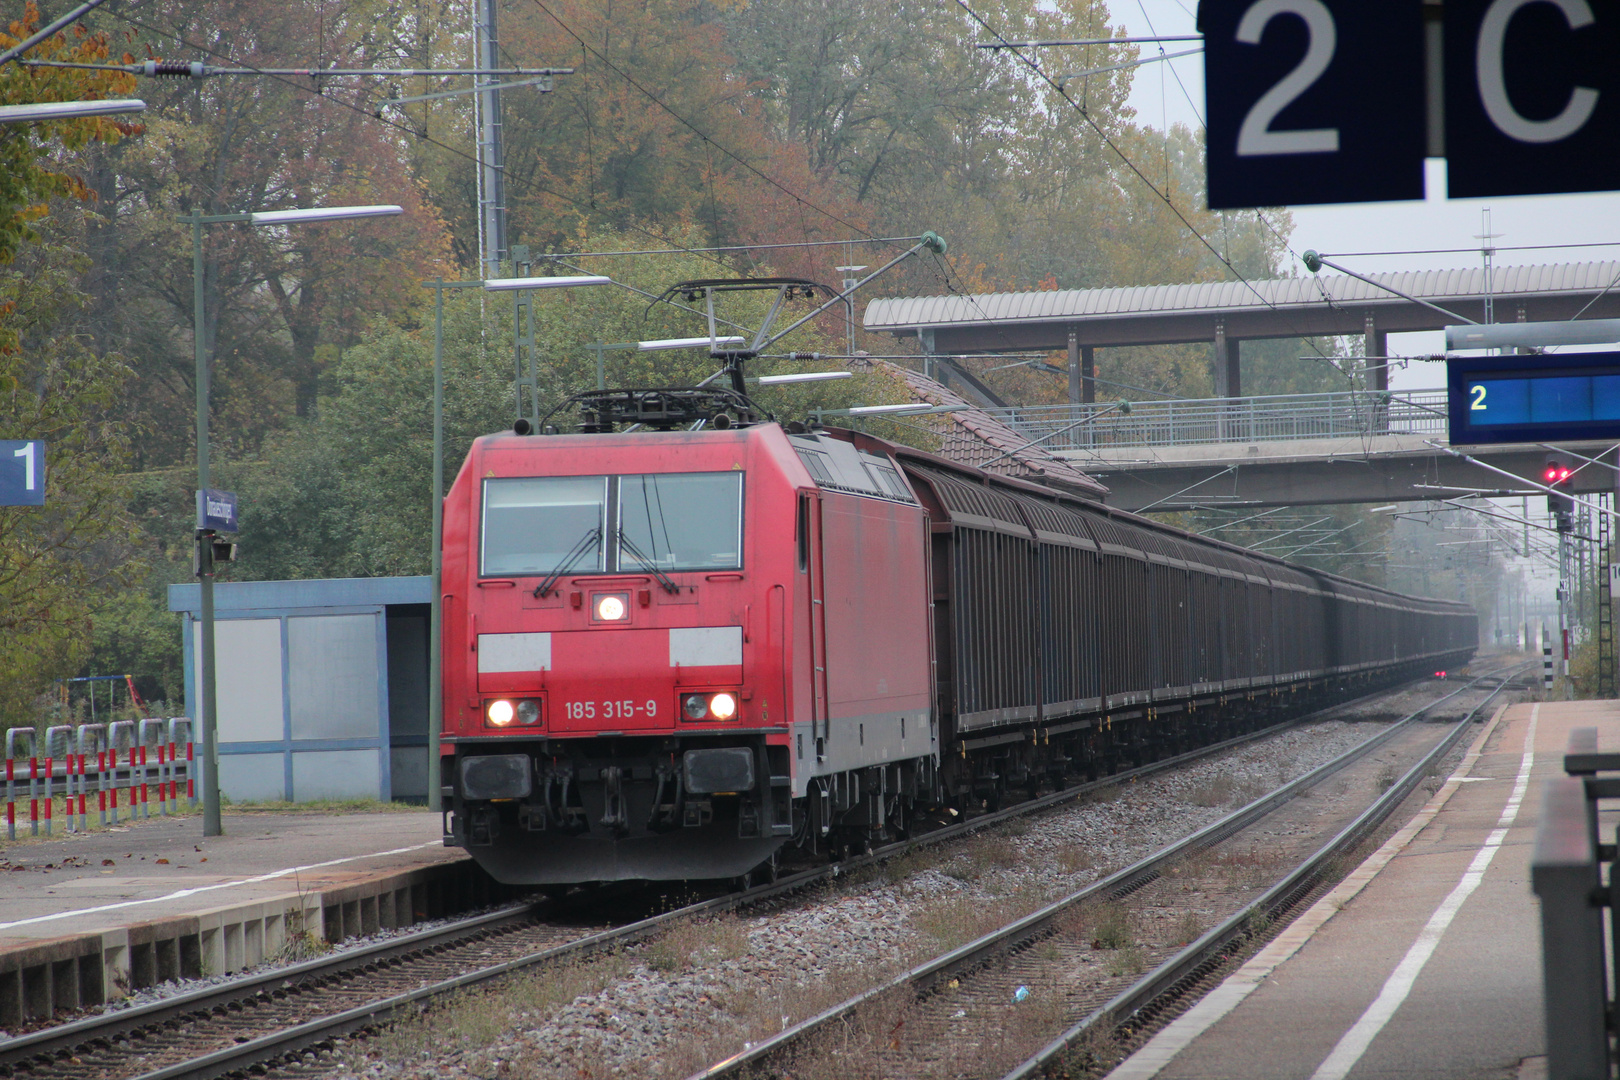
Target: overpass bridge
{"type": "Point", "coordinates": [1292, 450]}
{"type": "Point", "coordinates": [1238, 451]}
{"type": "Point", "coordinates": [1227, 313]}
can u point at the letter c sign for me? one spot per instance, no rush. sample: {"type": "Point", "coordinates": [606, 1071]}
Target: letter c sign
{"type": "Point", "coordinates": [1532, 101]}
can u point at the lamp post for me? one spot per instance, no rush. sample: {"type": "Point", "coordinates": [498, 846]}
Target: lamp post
{"type": "Point", "coordinates": [205, 537]}
{"type": "Point", "coordinates": [435, 781]}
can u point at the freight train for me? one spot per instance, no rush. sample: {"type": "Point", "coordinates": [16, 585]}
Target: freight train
{"type": "Point", "coordinates": [675, 654]}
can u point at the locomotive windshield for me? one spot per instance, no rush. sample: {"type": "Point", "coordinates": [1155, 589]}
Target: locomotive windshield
{"type": "Point", "coordinates": [680, 521]}
{"type": "Point", "coordinates": [533, 524]}
{"type": "Point", "coordinates": [658, 521]}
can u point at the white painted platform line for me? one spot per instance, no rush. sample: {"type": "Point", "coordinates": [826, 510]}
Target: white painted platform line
{"type": "Point", "coordinates": [1399, 984]}
{"type": "Point", "coordinates": [183, 893]}
{"type": "Point", "coordinates": [1180, 1033]}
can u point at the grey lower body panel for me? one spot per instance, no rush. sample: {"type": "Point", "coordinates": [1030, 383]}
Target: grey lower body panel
{"type": "Point", "coordinates": [714, 851]}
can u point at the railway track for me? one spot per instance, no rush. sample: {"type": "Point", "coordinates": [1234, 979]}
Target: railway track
{"type": "Point", "coordinates": [968, 1004]}
{"type": "Point", "coordinates": [289, 1013]}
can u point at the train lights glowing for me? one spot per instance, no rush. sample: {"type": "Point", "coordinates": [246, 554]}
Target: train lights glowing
{"type": "Point", "coordinates": [610, 607]}
{"type": "Point", "coordinates": [503, 712]}
{"type": "Point", "coordinates": [721, 706]}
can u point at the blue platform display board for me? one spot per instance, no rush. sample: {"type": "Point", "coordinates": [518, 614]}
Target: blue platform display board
{"type": "Point", "coordinates": [22, 472]}
{"type": "Point", "coordinates": [1533, 399]}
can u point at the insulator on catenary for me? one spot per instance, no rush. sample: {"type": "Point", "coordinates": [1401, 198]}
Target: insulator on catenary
{"type": "Point", "coordinates": [804, 356]}
{"type": "Point", "coordinates": [174, 69]}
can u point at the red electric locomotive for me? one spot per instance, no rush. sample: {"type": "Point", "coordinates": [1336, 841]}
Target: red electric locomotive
{"type": "Point", "coordinates": [665, 653]}
{"type": "Point", "coordinates": [669, 653]}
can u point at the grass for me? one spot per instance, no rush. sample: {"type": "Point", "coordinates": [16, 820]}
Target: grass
{"type": "Point", "coordinates": [180, 809]}
{"type": "Point", "coordinates": [1386, 778]}
{"type": "Point", "coordinates": [696, 942]}
{"type": "Point", "coordinates": [1072, 860]}
{"type": "Point", "coordinates": [1187, 929]}
{"type": "Point", "coordinates": [1112, 926]}
{"type": "Point", "coordinates": [92, 818]}
{"type": "Point", "coordinates": [977, 858]}
{"type": "Point", "coordinates": [1217, 792]}
{"type": "Point", "coordinates": [1129, 960]}
{"type": "Point", "coordinates": [474, 1019]}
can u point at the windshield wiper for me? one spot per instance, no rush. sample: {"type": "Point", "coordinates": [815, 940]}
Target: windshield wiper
{"type": "Point", "coordinates": [576, 553]}
{"type": "Point", "coordinates": [663, 578]}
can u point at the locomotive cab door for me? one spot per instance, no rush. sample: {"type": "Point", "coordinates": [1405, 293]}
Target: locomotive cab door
{"type": "Point", "coordinates": [809, 527]}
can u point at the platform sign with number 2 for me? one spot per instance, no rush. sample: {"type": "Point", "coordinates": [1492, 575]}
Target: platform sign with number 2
{"type": "Point", "coordinates": [22, 472]}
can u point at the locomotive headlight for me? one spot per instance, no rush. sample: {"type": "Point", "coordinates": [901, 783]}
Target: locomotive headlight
{"type": "Point", "coordinates": [528, 712]}
{"type": "Point", "coordinates": [611, 607]}
{"type": "Point", "coordinates": [723, 706]}
{"type": "Point", "coordinates": [501, 712]}
{"type": "Point", "coordinates": [695, 706]}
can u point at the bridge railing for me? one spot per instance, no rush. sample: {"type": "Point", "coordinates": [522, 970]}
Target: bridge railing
{"type": "Point", "coordinates": [1343, 415]}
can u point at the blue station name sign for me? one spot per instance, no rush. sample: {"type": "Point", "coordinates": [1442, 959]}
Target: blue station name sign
{"type": "Point", "coordinates": [1533, 399]}
{"type": "Point", "coordinates": [216, 510]}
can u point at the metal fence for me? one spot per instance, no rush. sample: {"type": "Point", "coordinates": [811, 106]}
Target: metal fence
{"type": "Point", "coordinates": [1345, 415]}
{"type": "Point", "coordinates": [148, 760]}
{"type": "Point", "coordinates": [1566, 874]}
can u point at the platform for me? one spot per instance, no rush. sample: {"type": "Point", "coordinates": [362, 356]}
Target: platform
{"type": "Point", "coordinates": [1426, 962]}
{"type": "Point", "coordinates": [88, 917]}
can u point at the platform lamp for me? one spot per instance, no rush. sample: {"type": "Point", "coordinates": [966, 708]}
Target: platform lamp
{"type": "Point", "coordinates": [68, 110]}
{"type": "Point", "coordinates": [205, 548]}
{"type": "Point", "coordinates": [435, 782]}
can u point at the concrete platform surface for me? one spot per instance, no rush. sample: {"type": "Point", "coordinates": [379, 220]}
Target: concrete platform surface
{"type": "Point", "coordinates": [163, 867]}
{"type": "Point", "coordinates": [1425, 963]}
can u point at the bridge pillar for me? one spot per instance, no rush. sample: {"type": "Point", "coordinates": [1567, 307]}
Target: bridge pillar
{"type": "Point", "coordinates": [1228, 363]}
{"type": "Point", "coordinates": [1082, 371]}
{"type": "Point", "coordinates": [1376, 344]}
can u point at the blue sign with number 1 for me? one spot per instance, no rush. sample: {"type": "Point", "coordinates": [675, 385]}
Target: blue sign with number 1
{"type": "Point", "coordinates": [22, 472]}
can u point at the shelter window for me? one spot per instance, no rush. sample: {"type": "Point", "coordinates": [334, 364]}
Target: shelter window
{"type": "Point", "coordinates": [533, 525]}
{"type": "Point", "coordinates": [680, 521]}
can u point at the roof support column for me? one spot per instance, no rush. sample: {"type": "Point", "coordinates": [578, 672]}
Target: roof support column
{"type": "Point", "coordinates": [1228, 363]}
{"type": "Point", "coordinates": [1375, 346]}
{"type": "Point", "coordinates": [1082, 371]}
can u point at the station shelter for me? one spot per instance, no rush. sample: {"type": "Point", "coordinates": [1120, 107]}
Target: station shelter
{"type": "Point", "coordinates": [322, 686]}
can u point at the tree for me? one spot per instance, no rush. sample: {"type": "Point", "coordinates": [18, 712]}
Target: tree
{"type": "Point", "coordinates": [58, 563]}
{"type": "Point", "coordinates": [32, 172]}
{"type": "Point", "coordinates": [279, 303]}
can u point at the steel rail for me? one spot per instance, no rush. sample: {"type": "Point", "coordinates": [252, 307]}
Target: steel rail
{"type": "Point", "coordinates": [1189, 964]}
{"type": "Point", "coordinates": [54, 1041]}
{"type": "Point", "coordinates": [60, 1041]}
{"type": "Point", "coordinates": [919, 979]}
